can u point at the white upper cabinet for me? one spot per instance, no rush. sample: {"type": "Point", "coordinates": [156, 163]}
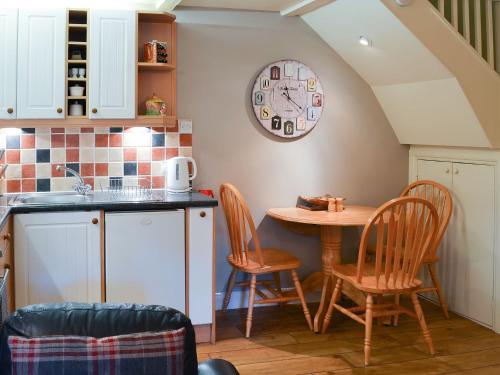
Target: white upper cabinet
{"type": "Point", "coordinates": [41, 64]}
{"type": "Point", "coordinates": [8, 63]}
{"type": "Point", "coordinates": [112, 60]}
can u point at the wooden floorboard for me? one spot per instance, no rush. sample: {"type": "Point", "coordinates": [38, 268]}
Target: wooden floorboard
{"type": "Point", "coordinates": [282, 344]}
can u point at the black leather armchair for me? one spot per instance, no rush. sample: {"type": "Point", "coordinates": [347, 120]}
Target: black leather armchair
{"type": "Point", "coordinates": [102, 320]}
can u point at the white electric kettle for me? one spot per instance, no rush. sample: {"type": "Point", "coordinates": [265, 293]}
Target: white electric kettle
{"type": "Point", "coordinates": [178, 174]}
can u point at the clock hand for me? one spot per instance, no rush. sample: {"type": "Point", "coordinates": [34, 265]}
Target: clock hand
{"type": "Point", "coordinates": [291, 100]}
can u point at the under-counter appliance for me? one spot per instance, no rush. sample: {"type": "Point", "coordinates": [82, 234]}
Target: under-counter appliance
{"type": "Point", "coordinates": [145, 258]}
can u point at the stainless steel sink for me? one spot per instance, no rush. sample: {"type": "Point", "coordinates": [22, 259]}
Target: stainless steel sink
{"type": "Point", "coordinates": [50, 198]}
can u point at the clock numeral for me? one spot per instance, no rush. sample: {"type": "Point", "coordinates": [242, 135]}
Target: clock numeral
{"type": "Point", "coordinates": [303, 74]}
{"type": "Point", "coordinates": [275, 72]}
{"type": "Point", "coordinates": [301, 124]}
{"type": "Point", "coordinates": [311, 114]}
{"type": "Point", "coordinates": [311, 84]}
{"type": "Point", "coordinates": [276, 123]}
{"type": "Point", "coordinates": [317, 100]}
{"type": "Point", "coordinates": [288, 127]}
{"type": "Point", "coordinates": [288, 70]}
{"type": "Point", "coordinates": [265, 112]}
{"type": "Point", "coordinates": [259, 98]}
{"type": "Point", "coordinates": [265, 83]}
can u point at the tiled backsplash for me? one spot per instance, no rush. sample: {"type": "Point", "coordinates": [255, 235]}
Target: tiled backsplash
{"type": "Point", "coordinates": [99, 154]}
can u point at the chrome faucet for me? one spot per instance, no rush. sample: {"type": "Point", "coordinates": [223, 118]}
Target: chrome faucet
{"type": "Point", "coordinates": [80, 187]}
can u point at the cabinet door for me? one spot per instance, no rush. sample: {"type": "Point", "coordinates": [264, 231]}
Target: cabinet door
{"type": "Point", "coordinates": [57, 258]}
{"type": "Point", "coordinates": [112, 61]}
{"type": "Point", "coordinates": [470, 286]}
{"type": "Point", "coordinates": [439, 171]}
{"type": "Point", "coordinates": [8, 63]}
{"type": "Point", "coordinates": [201, 272]}
{"type": "Point", "coordinates": [41, 64]}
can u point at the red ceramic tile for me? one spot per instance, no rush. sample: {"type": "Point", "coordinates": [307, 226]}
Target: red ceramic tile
{"type": "Point", "coordinates": [158, 153]}
{"type": "Point", "coordinates": [13, 186]}
{"type": "Point", "coordinates": [115, 140]}
{"type": "Point", "coordinates": [87, 169]}
{"type": "Point", "coordinates": [130, 154]}
{"type": "Point", "coordinates": [158, 182]}
{"type": "Point", "coordinates": [55, 172]}
{"type": "Point", "coordinates": [172, 152]}
{"type": "Point", "coordinates": [72, 155]}
{"type": "Point", "coordinates": [58, 130]}
{"type": "Point", "coordinates": [28, 185]}
{"type": "Point", "coordinates": [72, 140]}
{"type": "Point", "coordinates": [87, 130]}
{"type": "Point", "coordinates": [186, 140]}
{"type": "Point", "coordinates": [159, 129]}
{"type": "Point", "coordinates": [13, 156]}
{"type": "Point", "coordinates": [90, 181]}
{"type": "Point", "coordinates": [101, 140]}
{"type": "Point", "coordinates": [144, 169]}
{"type": "Point", "coordinates": [28, 141]}
{"type": "Point", "coordinates": [57, 140]}
{"type": "Point", "coordinates": [101, 169]}
{"type": "Point", "coordinates": [172, 129]}
{"type": "Point", "coordinates": [28, 170]}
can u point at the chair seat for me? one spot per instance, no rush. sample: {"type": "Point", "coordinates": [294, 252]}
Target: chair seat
{"type": "Point", "coordinates": [274, 260]}
{"type": "Point", "coordinates": [368, 283]}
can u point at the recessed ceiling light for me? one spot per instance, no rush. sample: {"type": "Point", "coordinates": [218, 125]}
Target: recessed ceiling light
{"type": "Point", "coordinates": [364, 41]}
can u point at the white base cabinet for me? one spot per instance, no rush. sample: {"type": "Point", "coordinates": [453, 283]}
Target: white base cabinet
{"type": "Point", "coordinates": [466, 264]}
{"type": "Point", "coordinates": [8, 63]}
{"type": "Point", "coordinates": [57, 257]}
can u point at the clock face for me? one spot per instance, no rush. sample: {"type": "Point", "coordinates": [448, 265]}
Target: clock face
{"type": "Point", "coordinates": [287, 98]}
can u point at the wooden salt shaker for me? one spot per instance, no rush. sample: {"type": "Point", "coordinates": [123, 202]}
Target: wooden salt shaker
{"type": "Point", "coordinates": [339, 204]}
{"type": "Point", "coordinates": [332, 207]}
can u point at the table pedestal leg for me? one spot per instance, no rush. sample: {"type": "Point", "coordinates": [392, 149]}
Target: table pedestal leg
{"type": "Point", "coordinates": [331, 243]}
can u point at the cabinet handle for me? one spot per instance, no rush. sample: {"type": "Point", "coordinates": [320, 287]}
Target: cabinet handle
{"type": "Point", "coordinates": [94, 110]}
{"type": "Point", "coordinates": [203, 214]}
{"type": "Point", "coordinates": [59, 110]}
{"type": "Point", "coordinates": [456, 171]}
{"type": "Point", "coordinates": [95, 220]}
{"type": "Point", "coordinates": [7, 237]}
{"type": "Point", "coordinates": [447, 170]}
{"type": "Point", "coordinates": [10, 110]}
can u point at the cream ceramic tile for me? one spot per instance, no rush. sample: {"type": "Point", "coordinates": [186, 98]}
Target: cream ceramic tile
{"type": "Point", "coordinates": [42, 140]}
{"type": "Point", "coordinates": [72, 130]}
{"type": "Point", "coordinates": [14, 171]}
{"type": "Point", "coordinates": [44, 130]}
{"type": "Point", "coordinates": [62, 184]}
{"type": "Point", "coordinates": [115, 169]}
{"type": "Point", "coordinates": [2, 141]}
{"type": "Point", "coordinates": [43, 170]}
{"type": "Point", "coordinates": [115, 154]}
{"type": "Point", "coordinates": [101, 183]}
{"type": "Point", "coordinates": [86, 155]}
{"type": "Point", "coordinates": [157, 168]}
{"type": "Point", "coordinates": [27, 156]}
{"type": "Point", "coordinates": [144, 153]}
{"type": "Point", "coordinates": [101, 155]}
{"type": "Point", "coordinates": [185, 151]}
{"type": "Point", "coordinates": [130, 181]}
{"type": "Point", "coordinates": [87, 140]}
{"type": "Point", "coordinates": [101, 130]}
{"type": "Point", "coordinates": [58, 155]}
{"type": "Point", "coordinates": [172, 140]}
{"type": "Point", "coordinates": [137, 139]}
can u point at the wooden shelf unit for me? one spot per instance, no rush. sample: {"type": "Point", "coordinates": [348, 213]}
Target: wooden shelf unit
{"type": "Point", "coordinates": [156, 78]}
{"type": "Point", "coordinates": [77, 40]}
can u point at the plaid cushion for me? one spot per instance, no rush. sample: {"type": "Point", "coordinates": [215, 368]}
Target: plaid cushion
{"type": "Point", "coordinates": [142, 353]}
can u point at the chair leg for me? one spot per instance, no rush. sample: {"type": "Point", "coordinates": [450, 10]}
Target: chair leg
{"type": "Point", "coordinates": [396, 302]}
{"type": "Point", "coordinates": [421, 320]}
{"type": "Point", "coordinates": [435, 280]}
{"type": "Point", "coordinates": [298, 288]}
{"type": "Point", "coordinates": [333, 301]}
{"type": "Point", "coordinates": [277, 284]}
{"type": "Point", "coordinates": [229, 289]}
{"type": "Point", "coordinates": [251, 299]}
{"type": "Point", "coordinates": [368, 328]}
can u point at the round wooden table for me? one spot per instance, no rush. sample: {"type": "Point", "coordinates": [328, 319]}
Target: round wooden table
{"type": "Point", "coordinates": [329, 226]}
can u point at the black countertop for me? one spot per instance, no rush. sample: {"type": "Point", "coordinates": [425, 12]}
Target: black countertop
{"type": "Point", "coordinates": [160, 200]}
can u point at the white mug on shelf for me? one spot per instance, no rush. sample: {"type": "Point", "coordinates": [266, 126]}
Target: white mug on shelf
{"type": "Point", "coordinates": [81, 72]}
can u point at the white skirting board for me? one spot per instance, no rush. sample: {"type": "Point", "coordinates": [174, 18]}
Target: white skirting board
{"type": "Point", "coordinates": [239, 299]}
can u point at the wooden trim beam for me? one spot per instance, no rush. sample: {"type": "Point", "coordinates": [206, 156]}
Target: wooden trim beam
{"type": "Point", "coordinates": [167, 5]}
{"type": "Point", "coordinates": [303, 7]}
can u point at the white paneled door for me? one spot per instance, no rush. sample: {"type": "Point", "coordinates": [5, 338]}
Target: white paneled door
{"type": "Point", "coordinates": [41, 64]}
{"type": "Point", "coordinates": [8, 63]}
{"type": "Point", "coordinates": [112, 64]}
{"type": "Point", "coordinates": [58, 257]}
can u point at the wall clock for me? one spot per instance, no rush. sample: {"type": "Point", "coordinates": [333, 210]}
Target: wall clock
{"type": "Point", "coordinates": [288, 98]}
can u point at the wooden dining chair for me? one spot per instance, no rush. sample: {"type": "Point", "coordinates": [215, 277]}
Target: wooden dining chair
{"type": "Point", "coordinates": [405, 229]}
{"type": "Point", "coordinates": [258, 261]}
{"type": "Point", "coordinates": [440, 197]}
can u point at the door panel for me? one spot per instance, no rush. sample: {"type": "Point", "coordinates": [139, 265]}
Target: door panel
{"type": "Point", "coordinates": [8, 63]}
{"type": "Point", "coordinates": [112, 64]}
{"type": "Point", "coordinates": [41, 70]}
